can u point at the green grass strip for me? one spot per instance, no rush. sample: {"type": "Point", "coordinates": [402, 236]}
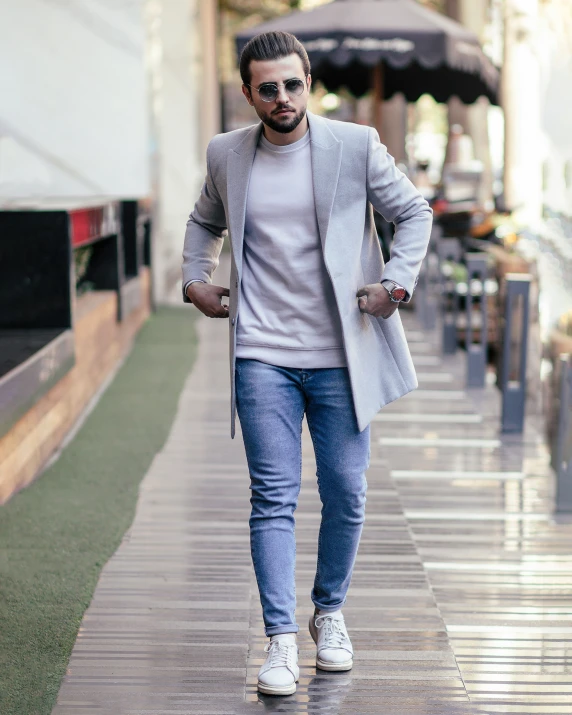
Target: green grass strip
{"type": "Point", "coordinates": [56, 535]}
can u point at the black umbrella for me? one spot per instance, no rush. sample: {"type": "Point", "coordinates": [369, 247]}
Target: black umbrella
{"type": "Point", "coordinates": [420, 51]}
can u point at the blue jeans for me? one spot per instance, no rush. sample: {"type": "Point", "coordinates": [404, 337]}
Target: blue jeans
{"type": "Point", "coordinates": [271, 403]}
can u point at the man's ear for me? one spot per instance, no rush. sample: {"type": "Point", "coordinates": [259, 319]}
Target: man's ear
{"type": "Point", "coordinates": [246, 93]}
{"type": "Point", "coordinates": [309, 82]}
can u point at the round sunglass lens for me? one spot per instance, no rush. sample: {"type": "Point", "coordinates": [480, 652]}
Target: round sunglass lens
{"type": "Point", "coordinates": [294, 86]}
{"type": "Point", "coordinates": [268, 92]}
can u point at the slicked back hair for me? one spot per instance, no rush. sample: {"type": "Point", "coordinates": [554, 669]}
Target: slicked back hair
{"type": "Point", "coordinates": [271, 46]}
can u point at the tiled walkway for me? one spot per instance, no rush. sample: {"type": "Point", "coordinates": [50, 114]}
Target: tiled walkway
{"type": "Point", "coordinates": [461, 600]}
{"type": "Point", "coordinates": [499, 564]}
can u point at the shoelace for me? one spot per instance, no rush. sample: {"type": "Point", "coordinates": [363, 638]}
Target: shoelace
{"type": "Point", "coordinates": [334, 637]}
{"type": "Point", "coordinates": [280, 654]}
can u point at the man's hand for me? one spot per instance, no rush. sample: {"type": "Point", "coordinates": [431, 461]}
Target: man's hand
{"type": "Point", "coordinates": [374, 299]}
{"type": "Point", "coordinates": [207, 298]}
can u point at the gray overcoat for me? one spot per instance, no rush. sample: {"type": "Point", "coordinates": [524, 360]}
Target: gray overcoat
{"type": "Point", "coordinates": [352, 172]}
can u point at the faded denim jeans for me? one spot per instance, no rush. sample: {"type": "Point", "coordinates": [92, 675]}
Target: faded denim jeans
{"type": "Point", "coordinates": [271, 403]}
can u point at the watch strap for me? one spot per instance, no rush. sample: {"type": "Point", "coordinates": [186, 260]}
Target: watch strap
{"type": "Point", "coordinates": [390, 286]}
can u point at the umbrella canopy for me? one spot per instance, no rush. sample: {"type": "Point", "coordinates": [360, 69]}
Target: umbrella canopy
{"type": "Point", "coordinates": [422, 51]}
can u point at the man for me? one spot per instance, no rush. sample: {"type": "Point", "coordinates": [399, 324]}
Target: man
{"type": "Point", "coordinates": [313, 325]}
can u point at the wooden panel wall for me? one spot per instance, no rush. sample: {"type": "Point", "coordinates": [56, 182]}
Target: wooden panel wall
{"type": "Point", "coordinates": [101, 343]}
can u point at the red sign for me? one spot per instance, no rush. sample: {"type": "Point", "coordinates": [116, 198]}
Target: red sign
{"type": "Point", "coordinates": [91, 224]}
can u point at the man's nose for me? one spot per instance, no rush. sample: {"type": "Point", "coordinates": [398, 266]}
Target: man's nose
{"type": "Point", "coordinates": [282, 96]}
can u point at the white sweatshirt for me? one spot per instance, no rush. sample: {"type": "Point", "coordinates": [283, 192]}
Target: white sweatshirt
{"type": "Point", "coordinates": [288, 314]}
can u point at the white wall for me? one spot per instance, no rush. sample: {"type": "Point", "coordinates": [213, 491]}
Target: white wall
{"type": "Point", "coordinates": [521, 103]}
{"type": "Point", "coordinates": [556, 124]}
{"type": "Point", "coordinates": [74, 109]}
{"type": "Point", "coordinates": [181, 52]}
{"type": "Point", "coordinates": [538, 112]}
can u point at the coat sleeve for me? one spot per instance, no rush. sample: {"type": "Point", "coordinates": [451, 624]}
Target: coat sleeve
{"type": "Point", "coordinates": [397, 200]}
{"type": "Point", "coordinates": [204, 234]}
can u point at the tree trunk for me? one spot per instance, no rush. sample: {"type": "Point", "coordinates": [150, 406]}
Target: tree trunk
{"type": "Point", "coordinates": [377, 99]}
{"type": "Point", "coordinates": [394, 125]}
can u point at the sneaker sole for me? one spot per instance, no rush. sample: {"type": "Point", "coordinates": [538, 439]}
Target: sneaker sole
{"type": "Point", "coordinates": [322, 664]}
{"type": "Point", "coordinates": [276, 689]}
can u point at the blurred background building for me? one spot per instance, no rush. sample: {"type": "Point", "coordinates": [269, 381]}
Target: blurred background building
{"type": "Point", "coordinates": [110, 98]}
{"type": "Point", "coordinates": [119, 98]}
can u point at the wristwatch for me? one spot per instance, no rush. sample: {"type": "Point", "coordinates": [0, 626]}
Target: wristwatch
{"type": "Point", "coordinates": [397, 293]}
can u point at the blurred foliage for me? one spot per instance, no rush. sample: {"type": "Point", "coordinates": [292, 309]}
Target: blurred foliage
{"type": "Point", "coordinates": [565, 324]}
{"type": "Point", "coordinates": [438, 5]}
{"type": "Point", "coordinates": [556, 24]}
{"type": "Point", "coordinates": [454, 271]}
{"type": "Point", "coordinates": [82, 257]}
{"type": "Point", "coordinates": [261, 9]}
{"type": "Point", "coordinates": [267, 9]}
{"type": "Point", "coordinates": [430, 115]}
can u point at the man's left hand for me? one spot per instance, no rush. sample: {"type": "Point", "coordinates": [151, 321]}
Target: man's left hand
{"type": "Point", "coordinates": [374, 299]}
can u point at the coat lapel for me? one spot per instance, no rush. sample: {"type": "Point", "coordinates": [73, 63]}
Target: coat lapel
{"type": "Point", "coordinates": [326, 152]}
{"type": "Point", "coordinates": [239, 166]}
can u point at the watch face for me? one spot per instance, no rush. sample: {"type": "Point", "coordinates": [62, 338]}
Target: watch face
{"type": "Point", "coordinates": [398, 294]}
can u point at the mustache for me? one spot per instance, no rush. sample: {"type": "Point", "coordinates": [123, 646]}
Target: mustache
{"type": "Point", "coordinates": [281, 109]}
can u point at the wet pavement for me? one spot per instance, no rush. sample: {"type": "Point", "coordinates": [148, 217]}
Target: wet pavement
{"type": "Point", "coordinates": [499, 564]}
{"type": "Point", "coordinates": [461, 600]}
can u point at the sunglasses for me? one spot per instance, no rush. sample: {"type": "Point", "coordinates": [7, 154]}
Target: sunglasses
{"type": "Point", "coordinates": [269, 90]}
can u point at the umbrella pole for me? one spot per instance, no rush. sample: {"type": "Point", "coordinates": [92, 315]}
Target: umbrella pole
{"type": "Point", "coordinates": [377, 100]}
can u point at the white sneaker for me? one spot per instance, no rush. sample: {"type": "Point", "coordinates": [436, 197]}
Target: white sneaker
{"type": "Point", "coordinates": [329, 633]}
{"type": "Point", "coordinates": [279, 673]}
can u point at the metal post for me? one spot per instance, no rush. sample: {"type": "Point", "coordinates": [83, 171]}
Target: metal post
{"type": "Point", "coordinates": [425, 292]}
{"type": "Point", "coordinates": [514, 351]}
{"type": "Point", "coordinates": [421, 294]}
{"type": "Point", "coordinates": [432, 284]}
{"type": "Point", "coordinates": [436, 236]}
{"type": "Point", "coordinates": [425, 297]}
{"type": "Point", "coordinates": [476, 349]}
{"type": "Point", "coordinates": [449, 250]}
{"type": "Point", "coordinates": [563, 461]}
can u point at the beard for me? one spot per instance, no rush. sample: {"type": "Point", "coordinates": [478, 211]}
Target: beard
{"type": "Point", "coordinates": [284, 124]}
